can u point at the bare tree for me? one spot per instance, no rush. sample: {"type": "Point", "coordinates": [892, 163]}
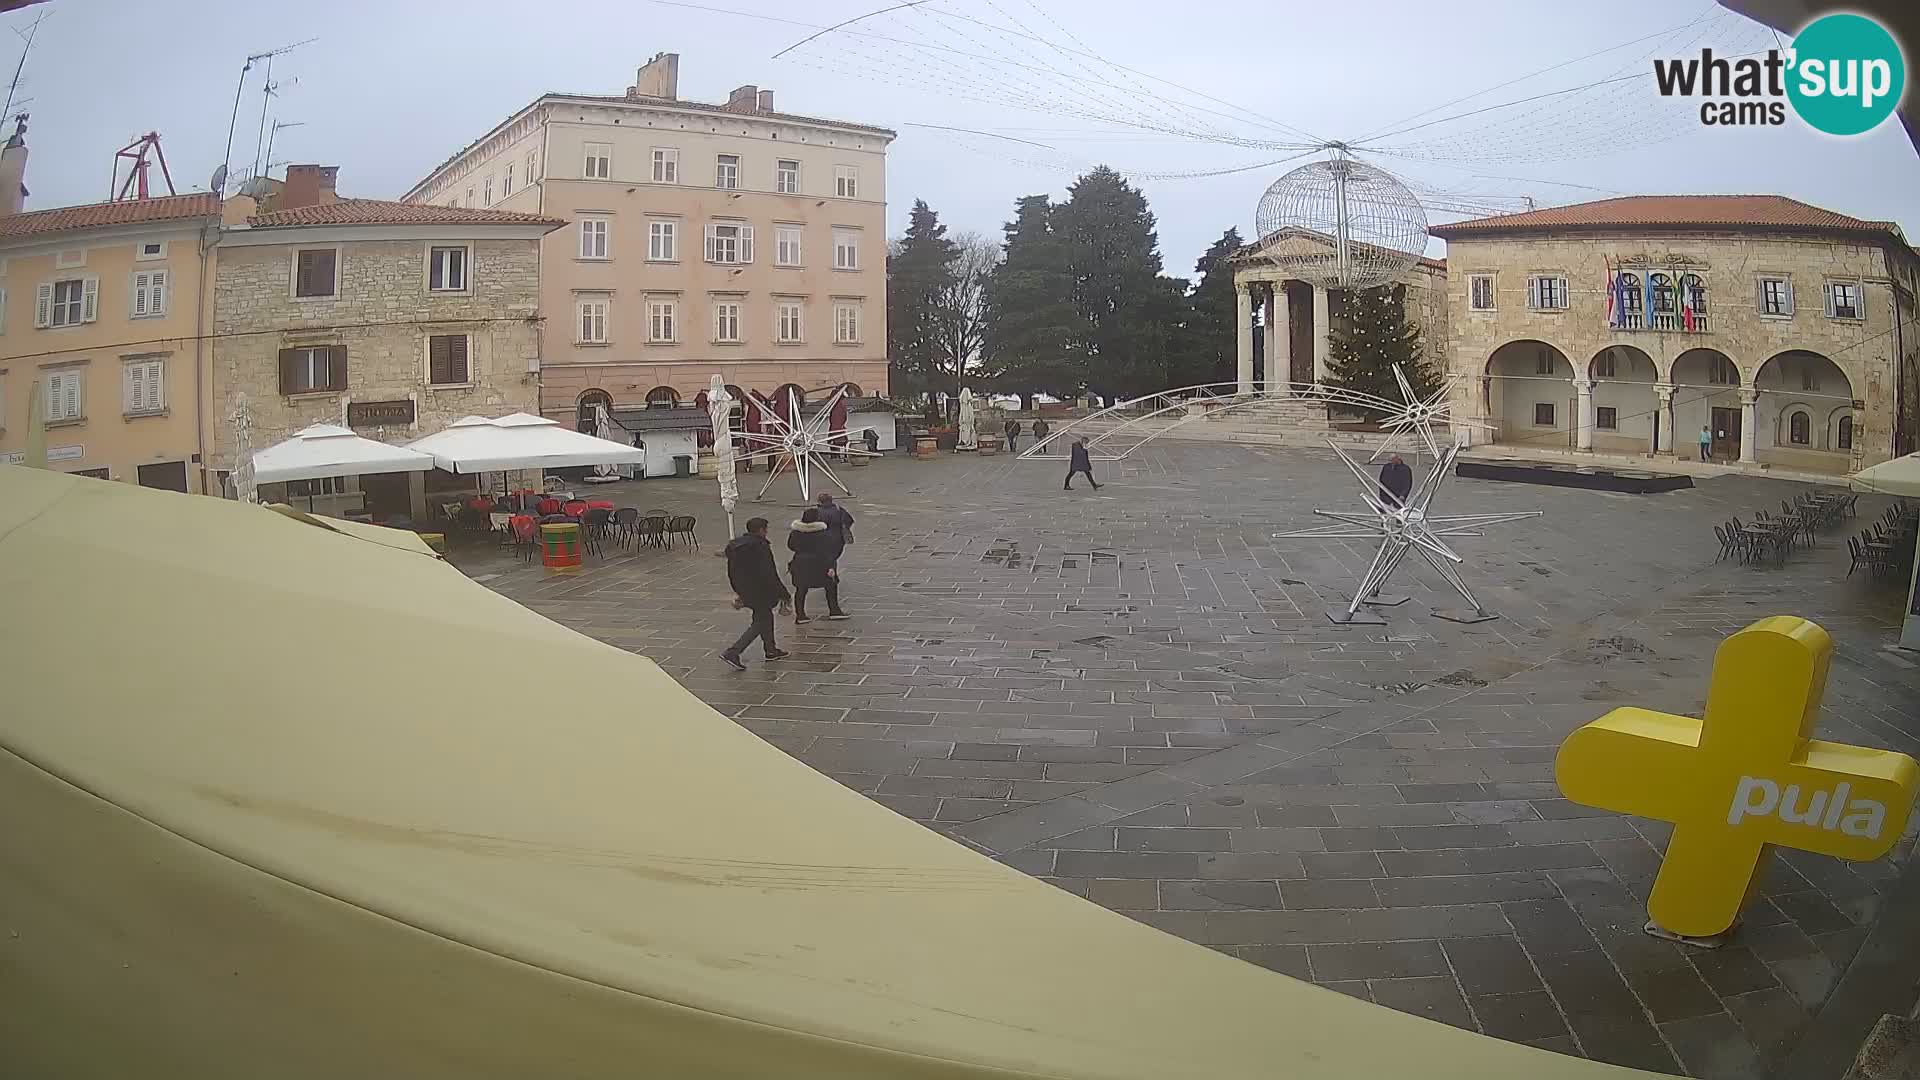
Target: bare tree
{"type": "Point", "coordinates": [961, 309]}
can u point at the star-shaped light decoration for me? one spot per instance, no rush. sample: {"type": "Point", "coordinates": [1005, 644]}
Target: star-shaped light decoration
{"type": "Point", "coordinates": [1406, 527]}
{"type": "Point", "coordinates": [797, 444]}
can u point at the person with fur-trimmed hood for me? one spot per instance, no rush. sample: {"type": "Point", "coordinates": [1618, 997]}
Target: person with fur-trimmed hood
{"type": "Point", "coordinates": [814, 564]}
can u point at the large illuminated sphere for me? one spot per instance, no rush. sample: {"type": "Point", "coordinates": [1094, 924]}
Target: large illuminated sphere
{"type": "Point", "coordinates": [1386, 228]}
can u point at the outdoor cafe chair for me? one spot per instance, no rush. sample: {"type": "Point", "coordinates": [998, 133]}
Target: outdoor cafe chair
{"type": "Point", "coordinates": [680, 525]}
{"type": "Point", "coordinates": [625, 525]}
{"type": "Point", "coordinates": [594, 527]}
{"type": "Point", "coordinates": [526, 535]}
{"type": "Point", "coordinates": [546, 507]}
{"type": "Point", "coordinates": [652, 530]}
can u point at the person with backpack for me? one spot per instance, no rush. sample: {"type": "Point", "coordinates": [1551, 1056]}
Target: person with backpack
{"type": "Point", "coordinates": [757, 587]}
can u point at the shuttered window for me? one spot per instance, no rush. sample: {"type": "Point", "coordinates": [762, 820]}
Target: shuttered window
{"type": "Point", "coordinates": [447, 360]}
{"type": "Point", "coordinates": [149, 293]}
{"type": "Point", "coordinates": [313, 369]}
{"type": "Point", "coordinates": [1776, 296]}
{"type": "Point", "coordinates": [146, 386]}
{"type": "Point", "coordinates": [64, 401]}
{"type": "Point", "coordinates": [66, 303]}
{"type": "Point", "coordinates": [313, 272]}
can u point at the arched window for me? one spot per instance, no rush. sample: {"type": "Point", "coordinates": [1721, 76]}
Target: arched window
{"type": "Point", "coordinates": [1843, 436]}
{"type": "Point", "coordinates": [589, 400]}
{"type": "Point", "coordinates": [663, 397]}
{"type": "Point", "coordinates": [1696, 292]}
{"type": "Point", "coordinates": [1799, 428]}
{"type": "Point", "coordinates": [1630, 294]}
{"type": "Point", "coordinates": [1661, 286]}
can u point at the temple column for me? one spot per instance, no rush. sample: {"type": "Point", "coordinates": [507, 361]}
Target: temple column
{"type": "Point", "coordinates": [1279, 341]}
{"type": "Point", "coordinates": [1663, 417]}
{"type": "Point", "coordinates": [1749, 398]}
{"type": "Point", "coordinates": [1583, 414]}
{"type": "Point", "coordinates": [1322, 333]}
{"type": "Point", "coordinates": [1243, 338]}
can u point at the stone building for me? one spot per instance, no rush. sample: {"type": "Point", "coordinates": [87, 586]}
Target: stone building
{"type": "Point", "coordinates": [1629, 324]}
{"type": "Point", "coordinates": [392, 319]}
{"type": "Point", "coordinates": [1297, 317]}
{"type": "Point", "coordinates": [702, 238]}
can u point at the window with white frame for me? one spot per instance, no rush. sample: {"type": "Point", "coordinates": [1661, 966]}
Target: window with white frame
{"type": "Point", "coordinates": [314, 272]}
{"type": "Point", "coordinates": [487, 187]}
{"type": "Point", "coordinates": [469, 196]}
{"type": "Point", "coordinates": [533, 166]}
{"type": "Point", "coordinates": [313, 369]}
{"type": "Point", "coordinates": [846, 322]}
{"type": "Point", "coordinates": [729, 243]}
{"type": "Point", "coordinates": [663, 321]}
{"type": "Point", "coordinates": [666, 165]}
{"type": "Point", "coordinates": [1776, 296]}
{"type": "Point", "coordinates": [846, 249]}
{"type": "Point", "coordinates": [726, 172]}
{"type": "Point", "coordinates": [786, 177]}
{"type": "Point", "coordinates": [1480, 292]}
{"type": "Point", "coordinates": [1547, 292]}
{"type": "Point", "coordinates": [447, 360]}
{"type": "Point", "coordinates": [593, 238]}
{"type": "Point", "coordinates": [67, 302]}
{"type": "Point", "coordinates": [64, 398]}
{"type": "Point", "coordinates": [447, 268]}
{"type": "Point", "coordinates": [786, 322]}
{"type": "Point", "coordinates": [726, 320]}
{"type": "Point", "coordinates": [846, 181]}
{"type": "Point", "coordinates": [1843, 300]}
{"type": "Point", "coordinates": [599, 161]}
{"type": "Point", "coordinates": [506, 181]}
{"type": "Point", "coordinates": [151, 249]}
{"type": "Point", "coordinates": [146, 386]}
{"type": "Point", "coordinates": [786, 245]}
{"type": "Point", "coordinates": [592, 320]}
{"type": "Point", "coordinates": [149, 297]}
{"type": "Point", "coordinates": [663, 241]}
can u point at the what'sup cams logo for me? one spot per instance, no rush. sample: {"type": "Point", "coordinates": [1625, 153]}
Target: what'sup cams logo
{"type": "Point", "coordinates": [1843, 75]}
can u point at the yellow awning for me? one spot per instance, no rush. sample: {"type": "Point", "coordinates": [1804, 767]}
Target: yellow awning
{"type": "Point", "coordinates": [282, 803]}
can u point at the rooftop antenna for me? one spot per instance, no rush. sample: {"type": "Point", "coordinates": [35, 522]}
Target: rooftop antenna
{"type": "Point", "coordinates": [267, 168]}
{"type": "Point", "coordinates": [14, 86]}
{"type": "Point", "coordinates": [137, 152]}
{"type": "Point", "coordinates": [226, 163]}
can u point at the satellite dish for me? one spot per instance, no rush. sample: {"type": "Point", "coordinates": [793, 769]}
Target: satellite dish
{"type": "Point", "coordinates": [218, 184]}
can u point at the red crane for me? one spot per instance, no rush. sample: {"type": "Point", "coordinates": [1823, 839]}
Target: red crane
{"type": "Point", "coordinates": [136, 182]}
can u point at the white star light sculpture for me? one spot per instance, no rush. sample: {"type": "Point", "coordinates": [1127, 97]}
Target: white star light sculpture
{"type": "Point", "coordinates": [797, 444]}
{"type": "Point", "coordinates": [1410, 526]}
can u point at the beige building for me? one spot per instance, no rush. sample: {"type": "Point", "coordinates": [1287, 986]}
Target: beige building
{"type": "Point", "coordinates": [103, 308]}
{"type": "Point", "coordinates": [700, 238]}
{"type": "Point", "coordinates": [1787, 331]}
{"type": "Point", "coordinates": [1298, 317]}
{"type": "Point", "coordinates": [393, 319]}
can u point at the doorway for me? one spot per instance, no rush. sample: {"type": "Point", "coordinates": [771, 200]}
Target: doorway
{"type": "Point", "coordinates": [1726, 434]}
{"type": "Point", "coordinates": [165, 475]}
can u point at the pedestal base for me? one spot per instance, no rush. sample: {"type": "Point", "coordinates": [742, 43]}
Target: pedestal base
{"type": "Point", "coordinates": [1465, 615]}
{"type": "Point", "coordinates": [1655, 930]}
{"type": "Point", "coordinates": [1341, 617]}
{"type": "Point", "coordinates": [1385, 601]}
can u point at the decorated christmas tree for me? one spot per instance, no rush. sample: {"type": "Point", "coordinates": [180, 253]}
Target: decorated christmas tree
{"type": "Point", "coordinates": [1373, 336]}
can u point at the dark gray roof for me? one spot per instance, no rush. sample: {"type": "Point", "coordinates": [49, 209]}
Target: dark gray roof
{"type": "Point", "coordinates": [682, 419]}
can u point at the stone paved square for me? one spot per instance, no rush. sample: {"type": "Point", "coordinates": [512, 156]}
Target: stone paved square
{"type": "Point", "coordinates": [1134, 695]}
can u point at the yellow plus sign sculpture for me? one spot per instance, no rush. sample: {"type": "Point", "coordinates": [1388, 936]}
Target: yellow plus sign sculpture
{"type": "Point", "coordinates": [1746, 776]}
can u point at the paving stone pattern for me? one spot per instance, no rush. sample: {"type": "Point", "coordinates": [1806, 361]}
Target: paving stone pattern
{"type": "Point", "coordinates": [1134, 696]}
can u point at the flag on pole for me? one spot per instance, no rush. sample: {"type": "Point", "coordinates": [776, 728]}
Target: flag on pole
{"type": "Point", "coordinates": [1613, 292]}
{"type": "Point", "coordinates": [1686, 304]}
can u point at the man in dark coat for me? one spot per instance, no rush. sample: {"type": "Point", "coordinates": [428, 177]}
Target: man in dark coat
{"type": "Point", "coordinates": [1082, 462]}
{"type": "Point", "coordinates": [812, 565]}
{"type": "Point", "coordinates": [757, 587]}
{"type": "Point", "coordinates": [839, 524]}
{"type": "Point", "coordinates": [1013, 436]}
{"type": "Point", "coordinates": [1396, 481]}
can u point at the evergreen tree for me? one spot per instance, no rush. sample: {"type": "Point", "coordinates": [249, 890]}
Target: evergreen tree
{"type": "Point", "coordinates": [1030, 316]}
{"type": "Point", "coordinates": [1127, 312]}
{"type": "Point", "coordinates": [1372, 336]}
{"type": "Point", "coordinates": [1210, 349]}
{"type": "Point", "coordinates": [919, 274]}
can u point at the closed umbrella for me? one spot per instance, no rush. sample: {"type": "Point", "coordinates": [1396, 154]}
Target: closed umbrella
{"type": "Point", "coordinates": [720, 414]}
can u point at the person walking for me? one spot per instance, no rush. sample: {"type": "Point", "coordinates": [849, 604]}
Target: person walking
{"type": "Point", "coordinates": [1040, 430]}
{"type": "Point", "coordinates": [1396, 481]}
{"type": "Point", "coordinates": [757, 587]}
{"type": "Point", "coordinates": [839, 523]}
{"type": "Point", "coordinates": [872, 439]}
{"type": "Point", "coordinates": [812, 566]}
{"type": "Point", "coordinates": [1013, 436]}
{"type": "Point", "coordinates": [1706, 443]}
{"type": "Point", "coordinates": [1081, 462]}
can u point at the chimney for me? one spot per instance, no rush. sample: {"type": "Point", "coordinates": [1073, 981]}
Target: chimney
{"type": "Point", "coordinates": [307, 185]}
{"type": "Point", "coordinates": [765, 101]}
{"type": "Point", "coordinates": [660, 78]}
{"type": "Point", "coordinates": [743, 99]}
{"type": "Point", "coordinates": [13, 169]}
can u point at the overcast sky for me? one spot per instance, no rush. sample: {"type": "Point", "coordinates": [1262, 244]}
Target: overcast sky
{"type": "Point", "coordinates": [390, 89]}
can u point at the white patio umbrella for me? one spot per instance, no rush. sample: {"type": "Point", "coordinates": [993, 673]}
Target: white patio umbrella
{"type": "Point", "coordinates": [720, 415]}
{"type": "Point", "coordinates": [331, 450]}
{"type": "Point", "coordinates": [476, 444]}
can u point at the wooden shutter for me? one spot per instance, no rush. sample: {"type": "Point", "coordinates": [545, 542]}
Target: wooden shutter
{"type": "Point", "coordinates": [136, 388]}
{"type": "Point", "coordinates": [1786, 289]}
{"type": "Point", "coordinates": [336, 364]}
{"type": "Point", "coordinates": [1827, 288]}
{"type": "Point", "coordinates": [447, 359]}
{"type": "Point", "coordinates": [43, 305]}
{"type": "Point", "coordinates": [746, 243]}
{"type": "Point", "coordinates": [89, 299]}
{"type": "Point", "coordinates": [713, 245]}
{"type": "Point", "coordinates": [289, 380]}
{"type": "Point", "coordinates": [1533, 293]}
{"type": "Point", "coordinates": [139, 294]}
{"type": "Point", "coordinates": [156, 374]}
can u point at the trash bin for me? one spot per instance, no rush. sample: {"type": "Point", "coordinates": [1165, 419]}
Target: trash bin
{"type": "Point", "coordinates": [683, 464]}
{"type": "Point", "coordinates": [560, 547]}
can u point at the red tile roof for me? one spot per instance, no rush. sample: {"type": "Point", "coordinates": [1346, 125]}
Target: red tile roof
{"type": "Point", "coordinates": [1772, 212]}
{"type": "Point", "coordinates": [99, 215]}
{"type": "Point", "coordinates": [383, 212]}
